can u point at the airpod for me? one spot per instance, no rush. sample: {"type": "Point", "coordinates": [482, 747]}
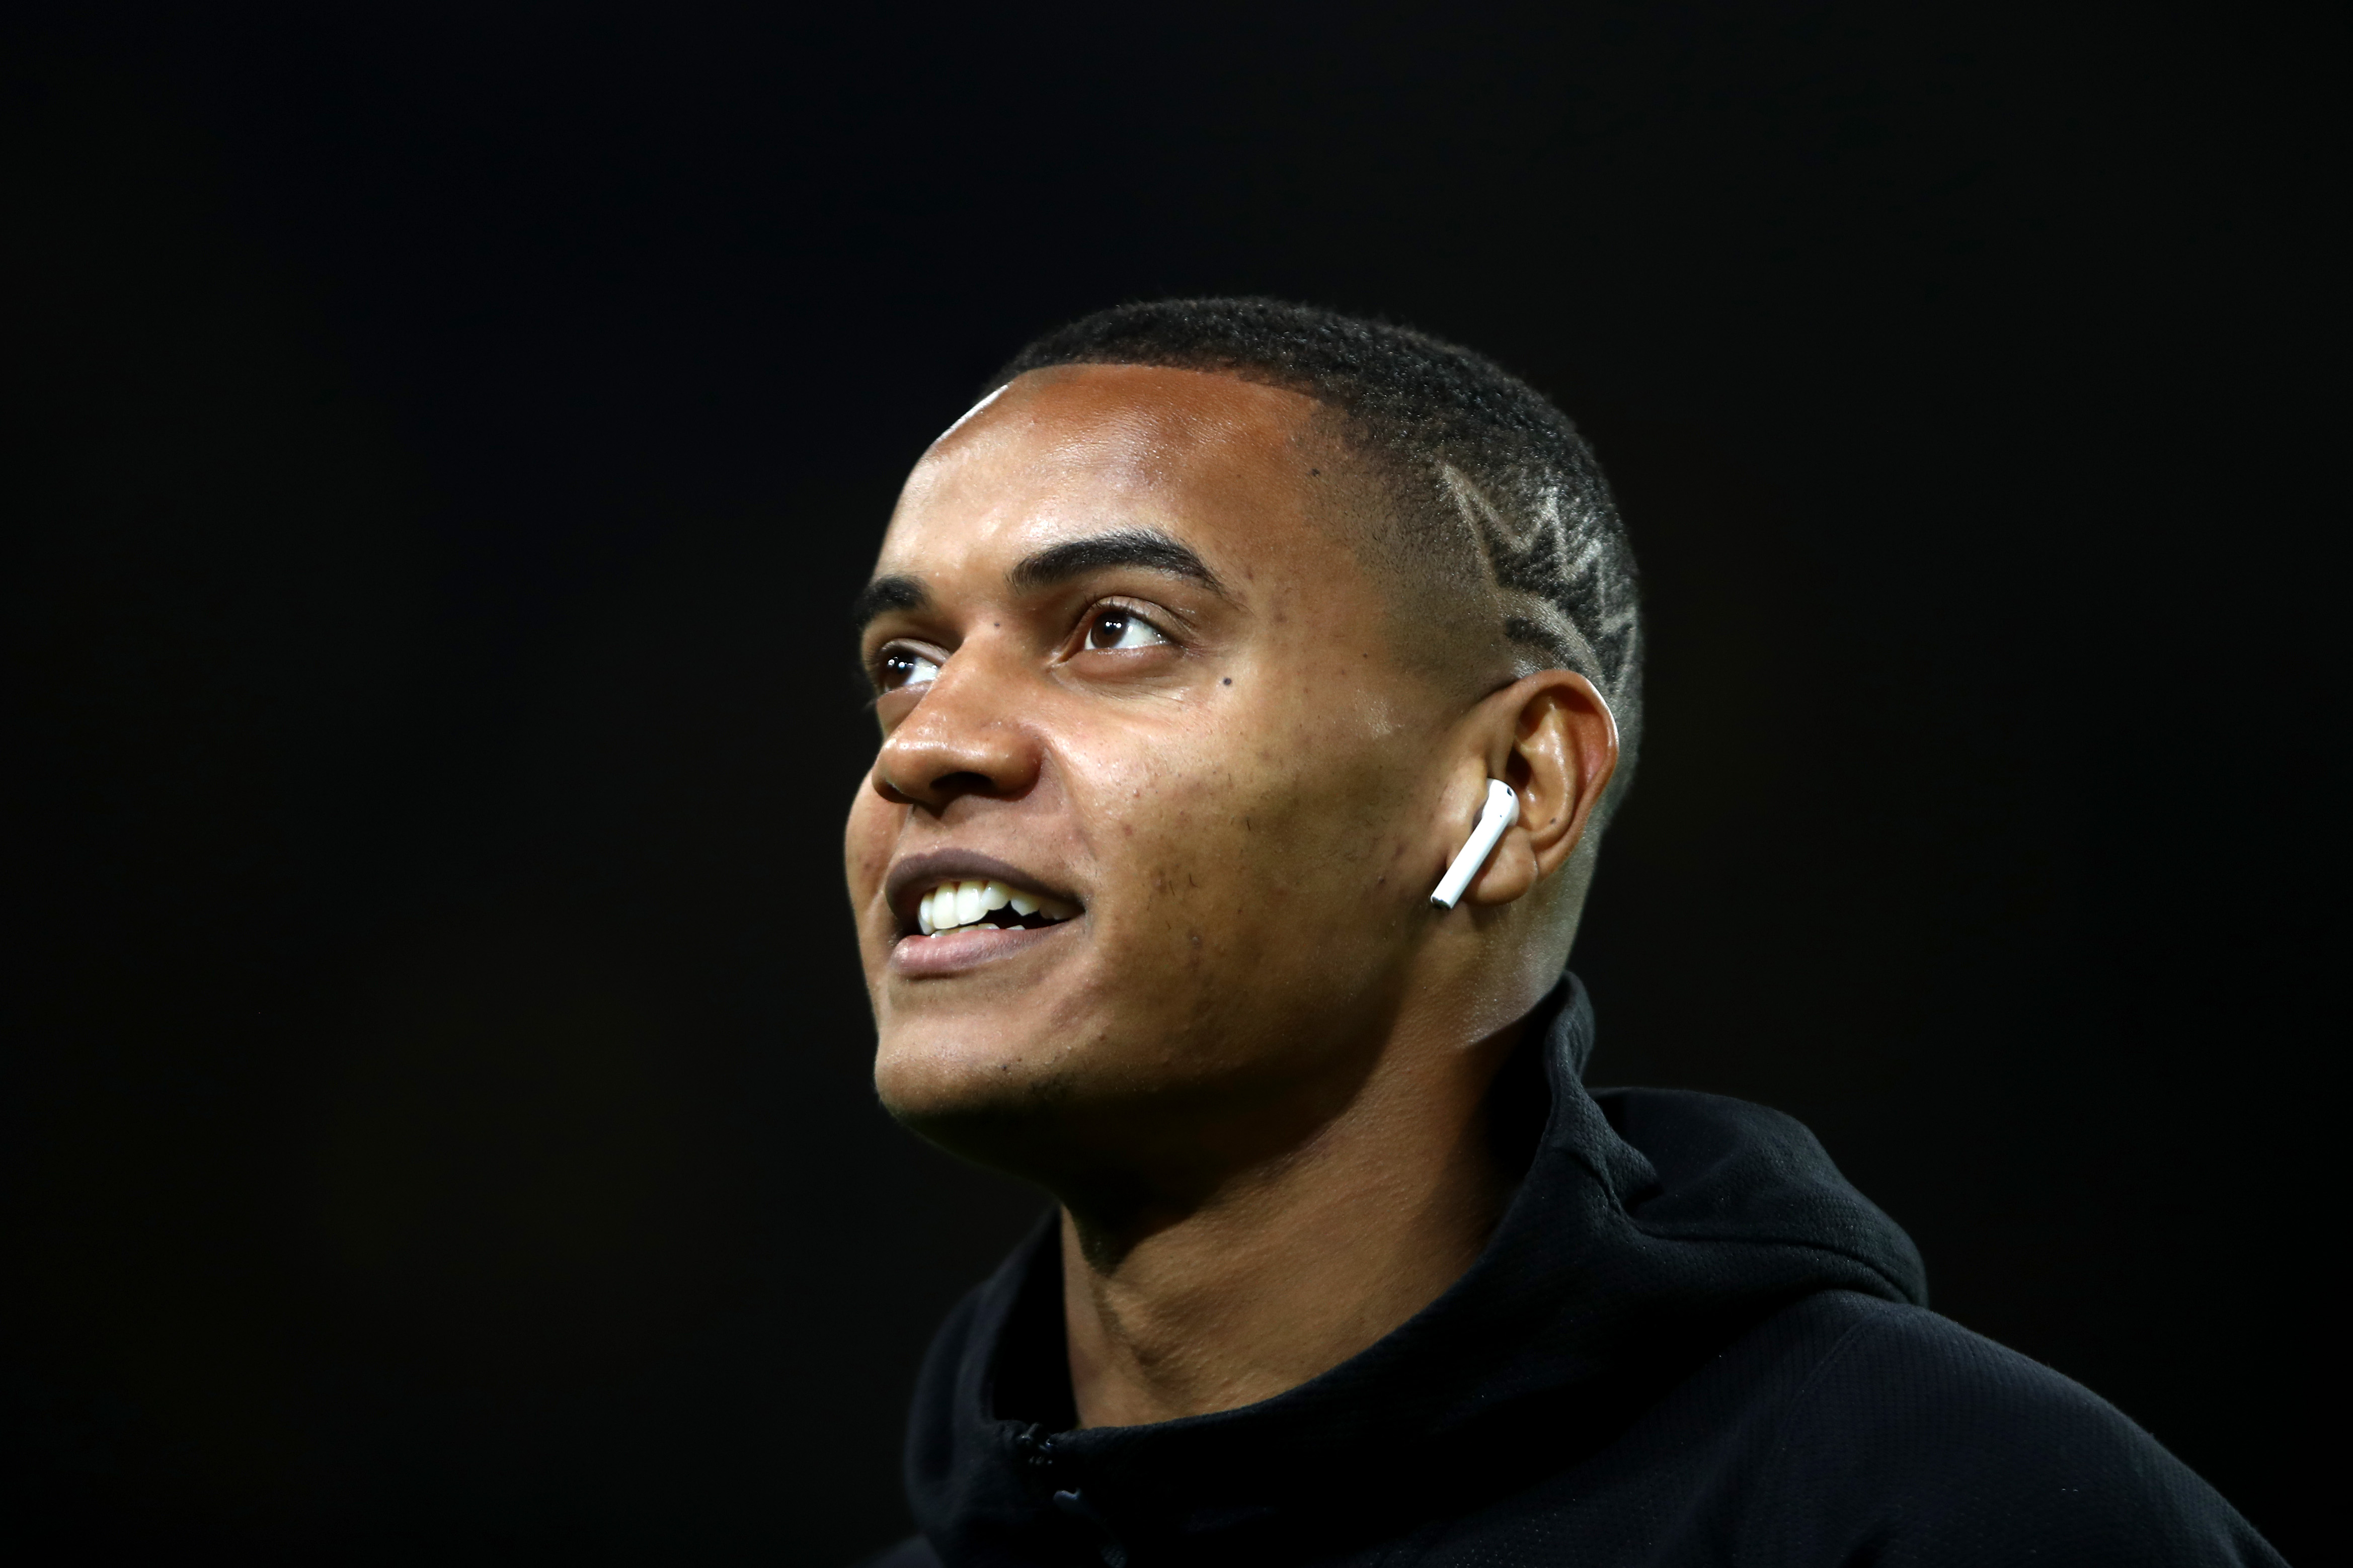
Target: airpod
{"type": "Point", "coordinates": [1501, 810]}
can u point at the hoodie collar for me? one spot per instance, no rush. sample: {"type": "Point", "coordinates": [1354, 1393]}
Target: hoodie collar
{"type": "Point", "coordinates": [1651, 1227]}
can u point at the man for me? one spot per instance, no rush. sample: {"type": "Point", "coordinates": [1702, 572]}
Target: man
{"type": "Point", "coordinates": [1196, 646]}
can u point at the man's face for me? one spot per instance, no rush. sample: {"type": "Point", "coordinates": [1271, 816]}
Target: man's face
{"type": "Point", "coordinates": [1132, 674]}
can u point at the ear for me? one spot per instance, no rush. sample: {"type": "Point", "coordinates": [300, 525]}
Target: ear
{"type": "Point", "coordinates": [1550, 736]}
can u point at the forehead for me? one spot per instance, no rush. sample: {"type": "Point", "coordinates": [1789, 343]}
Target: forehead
{"type": "Point", "coordinates": [1236, 470]}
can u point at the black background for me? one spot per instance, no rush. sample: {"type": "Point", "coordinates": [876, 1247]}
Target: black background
{"type": "Point", "coordinates": [441, 445]}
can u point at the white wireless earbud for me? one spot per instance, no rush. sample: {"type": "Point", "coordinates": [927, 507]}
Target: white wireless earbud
{"type": "Point", "coordinates": [1501, 810]}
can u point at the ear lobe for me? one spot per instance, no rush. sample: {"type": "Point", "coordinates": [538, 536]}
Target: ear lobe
{"type": "Point", "coordinates": [1510, 870]}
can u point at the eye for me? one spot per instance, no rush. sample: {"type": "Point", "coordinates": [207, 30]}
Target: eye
{"type": "Point", "coordinates": [1113, 627]}
{"type": "Point", "coordinates": [900, 667]}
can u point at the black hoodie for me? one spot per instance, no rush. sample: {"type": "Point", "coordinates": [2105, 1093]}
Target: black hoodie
{"type": "Point", "coordinates": [1689, 1341]}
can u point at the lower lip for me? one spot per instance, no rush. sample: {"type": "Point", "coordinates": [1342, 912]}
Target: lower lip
{"type": "Point", "coordinates": [954, 951]}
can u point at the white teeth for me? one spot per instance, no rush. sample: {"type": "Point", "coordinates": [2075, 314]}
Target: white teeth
{"type": "Point", "coordinates": [954, 905]}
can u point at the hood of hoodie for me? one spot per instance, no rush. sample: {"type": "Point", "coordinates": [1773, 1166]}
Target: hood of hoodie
{"type": "Point", "coordinates": [1651, 1227]}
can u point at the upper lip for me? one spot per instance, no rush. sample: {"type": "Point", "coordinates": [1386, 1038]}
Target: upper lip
{"type": "Point", "coordinates": [918, 874]}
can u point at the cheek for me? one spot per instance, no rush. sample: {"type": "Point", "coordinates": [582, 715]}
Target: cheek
{"type": "Point", "coordinates": [1255, 846]}
{"type": "Point", "coordinates": [866, 842]}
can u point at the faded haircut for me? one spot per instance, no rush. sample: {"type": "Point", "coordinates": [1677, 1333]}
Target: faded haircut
{"type": "Point", "coordinates": [1498, 521]}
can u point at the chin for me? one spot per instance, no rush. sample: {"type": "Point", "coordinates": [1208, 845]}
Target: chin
{"type": "Point", "coordinates": [986, 1104]}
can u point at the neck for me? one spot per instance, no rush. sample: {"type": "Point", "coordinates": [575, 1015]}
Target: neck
{"type": "Point", "coordinates": [1287, 1267]}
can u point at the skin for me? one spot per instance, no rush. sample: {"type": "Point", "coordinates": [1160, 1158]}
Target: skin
{"type": "Point", "coordinates": [1251, 1067]}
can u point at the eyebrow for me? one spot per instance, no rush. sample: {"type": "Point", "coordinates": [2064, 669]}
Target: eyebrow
{"type": "Point", "coordinates": [1146, 548]}
{"type": "Point", "coordinates": [894, 592]}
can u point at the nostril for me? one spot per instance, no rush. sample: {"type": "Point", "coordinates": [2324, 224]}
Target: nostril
{"type": "Point", "coordinates": [935, 793]}
{"type": "Point", "coordinates": [962, 782]}
{"type": "Point", "coordinates": [911, 789]}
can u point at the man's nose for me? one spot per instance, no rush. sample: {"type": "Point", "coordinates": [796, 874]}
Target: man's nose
{"type": "Point", "coordinates": [964, 737]}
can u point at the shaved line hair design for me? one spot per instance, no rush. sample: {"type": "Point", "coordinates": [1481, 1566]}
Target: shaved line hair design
{"type": "Point", "coordinates": [1488, 512]}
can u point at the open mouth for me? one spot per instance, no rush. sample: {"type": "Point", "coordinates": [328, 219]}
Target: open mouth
{"type": "Point", "coordinates": [985, 904]}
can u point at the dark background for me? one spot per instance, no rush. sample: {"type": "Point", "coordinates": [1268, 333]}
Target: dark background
{"type": "Point", "coordinates": [441, 444]}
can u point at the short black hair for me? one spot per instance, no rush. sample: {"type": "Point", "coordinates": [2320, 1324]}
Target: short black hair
{"type": "Point", "coordinates": [1500, 503]}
